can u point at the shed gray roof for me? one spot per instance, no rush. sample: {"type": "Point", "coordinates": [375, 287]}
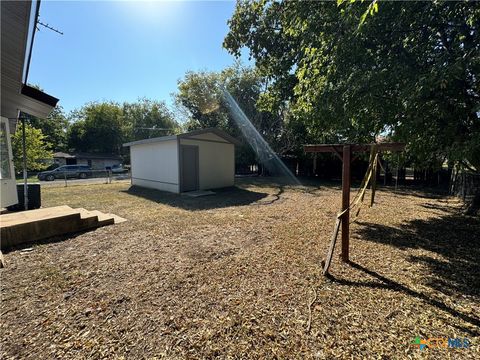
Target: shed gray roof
{"type": "Point", "coordinates": [218, 132]}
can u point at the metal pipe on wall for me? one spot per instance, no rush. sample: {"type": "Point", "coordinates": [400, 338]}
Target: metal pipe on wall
{"type": "Point", "coordinates": [25, 174]}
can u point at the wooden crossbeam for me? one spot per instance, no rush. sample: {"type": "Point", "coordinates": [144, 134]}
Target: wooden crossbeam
{"type": "Point", "coordinates": [338, 148]}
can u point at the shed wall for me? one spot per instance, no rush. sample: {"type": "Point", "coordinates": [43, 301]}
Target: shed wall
{"type": "Point", "coordinates": [155, 165]}
{"type": "Point", "coordinates": [216, 163]}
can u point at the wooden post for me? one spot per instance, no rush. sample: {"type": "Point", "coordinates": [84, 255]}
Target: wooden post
{"type": "Point", "coordinates": [347, 159]}
{"type": "Point", "coordinates": [328, 260]}
{"type": "Point", "coordinates": [373, 180]}
{"type": "Point", "coordinates": [396, 173]}
{"type": "Point", "coordinates": [346, 201]}
{"type": "Point", "coordinates": [385, 173]}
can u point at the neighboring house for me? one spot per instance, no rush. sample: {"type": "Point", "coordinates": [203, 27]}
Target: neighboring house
{"type": "Point", "coordinates": [18, 24]}
{"type": "Point", "coordinates": [198, 160]}
{"type": "Point", "coordinates": [94, 161]}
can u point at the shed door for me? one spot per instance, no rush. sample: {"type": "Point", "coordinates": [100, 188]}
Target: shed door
{"type": "Point", "coordinates": [189, 167]}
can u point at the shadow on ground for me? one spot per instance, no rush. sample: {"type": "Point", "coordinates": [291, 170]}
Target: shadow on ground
{"type": "Point", "coordinates": [452, 239]}
{"type": "Point", "coordinates": [382, 282]}
{"type": "Point", "coordinates": [453, 236]}
{"type": "Point", "coordinates": [232, 196]}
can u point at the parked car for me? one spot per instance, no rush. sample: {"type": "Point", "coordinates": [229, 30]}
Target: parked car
{"type": "Point", "coordinates": [69, 171]}
{"type": "Point", "coordinates": [117, 169]}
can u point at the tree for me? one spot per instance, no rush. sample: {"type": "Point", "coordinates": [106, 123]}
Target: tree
{"type": "Point", "coordinates": [103, 127]}
{"type": "Point", "coordinates": [76, 136]}
{"type": "Point", "coordinates": [146, 119]}
{"type": "Point", "coordinates": [54, 128]}
{"type": "Point", "coordinates": [37, 148]}
{"type": "Point", "coordinates": [97, 128]}
{"type": "Point", "coordinates": [201, 95]}
{"type": "Point", "coordinates": [409, 71]}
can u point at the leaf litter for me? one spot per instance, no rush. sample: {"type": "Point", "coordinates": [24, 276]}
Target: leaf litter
{"type": "Point", "coordinates": [237, 275]}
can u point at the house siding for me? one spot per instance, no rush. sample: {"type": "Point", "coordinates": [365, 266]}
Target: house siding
{"type": "Point", "coordinates": [96, 164]}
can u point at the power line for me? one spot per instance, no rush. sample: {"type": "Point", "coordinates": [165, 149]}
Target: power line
{"type": "Point", "coordinates": [153, 128]}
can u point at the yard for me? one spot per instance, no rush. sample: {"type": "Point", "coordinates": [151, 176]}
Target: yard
{"type": "Point", "coordinates": [233, 276]}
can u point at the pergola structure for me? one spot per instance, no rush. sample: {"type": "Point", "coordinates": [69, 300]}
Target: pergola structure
{"type": "Point", "coordinates": [344, 152]}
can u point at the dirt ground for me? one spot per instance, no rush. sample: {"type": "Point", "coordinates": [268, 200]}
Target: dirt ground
{"type": "Point", "coordinates": [237, 275]}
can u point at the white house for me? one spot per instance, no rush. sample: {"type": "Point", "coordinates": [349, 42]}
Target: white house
{"type": "Point", "coordinates": [94, 161]}
{"type": "Point", "coordinates": [198, 160]}
{"type": "Point", "coordinates": [18, 24]}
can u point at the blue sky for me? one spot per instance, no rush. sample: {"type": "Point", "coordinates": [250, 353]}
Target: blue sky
{"type": "Point", "coordinates": [121, 51]}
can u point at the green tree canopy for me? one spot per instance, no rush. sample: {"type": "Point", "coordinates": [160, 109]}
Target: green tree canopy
{"type": "Point", "coordinates": [37, 148]}
{"type": "Point", "coordinates": [103, 127]}
{"type": "Point", "coordinates": [409, 71]}
{"type": "Point", "coordinates": [200, 94]}
{"type": "Point", "coordinates": [97, 128]}
{"type": "Point", "coordinates": [148, 118]}
{"type": "Point", "coordinates": [54, 128]}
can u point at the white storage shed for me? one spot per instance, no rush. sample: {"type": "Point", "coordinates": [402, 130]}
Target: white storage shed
{"type": "Point", "coordinates": [197, 160]}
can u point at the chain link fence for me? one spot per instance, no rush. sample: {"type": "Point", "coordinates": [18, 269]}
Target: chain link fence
{"type": "Point", "coordinates": [92, 177]}
{"type": "Point", "coordinates": [81, 178]}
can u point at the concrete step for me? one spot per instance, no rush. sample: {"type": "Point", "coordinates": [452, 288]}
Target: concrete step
{"type": "Point", "coordinates": [117, 219]}
{"type": "Point", "coordinates": [44, 227]}
{"type": "Point", "coordinates": [89, 220]}
{"type": "Point", "coordinates": [22, 217]}
{"type": "Point", "coordinates": [30, 226]}
{"type": "Point", "coordinates": [102, 218]}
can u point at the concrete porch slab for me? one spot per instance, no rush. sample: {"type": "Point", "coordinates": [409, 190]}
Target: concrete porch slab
{"type": "Point", "coordinates": [198, 193]}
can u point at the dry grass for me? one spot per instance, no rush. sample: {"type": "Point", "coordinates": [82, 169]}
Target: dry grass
{"type": "Point", "coordinates": [232, 276]}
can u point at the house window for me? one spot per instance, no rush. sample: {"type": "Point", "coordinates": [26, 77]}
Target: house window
{"type": "Point", "coordinates": [4, 158]}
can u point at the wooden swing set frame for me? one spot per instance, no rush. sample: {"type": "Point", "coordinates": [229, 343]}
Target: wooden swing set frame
{"type": "Point", "coordinates": [344, 152]}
